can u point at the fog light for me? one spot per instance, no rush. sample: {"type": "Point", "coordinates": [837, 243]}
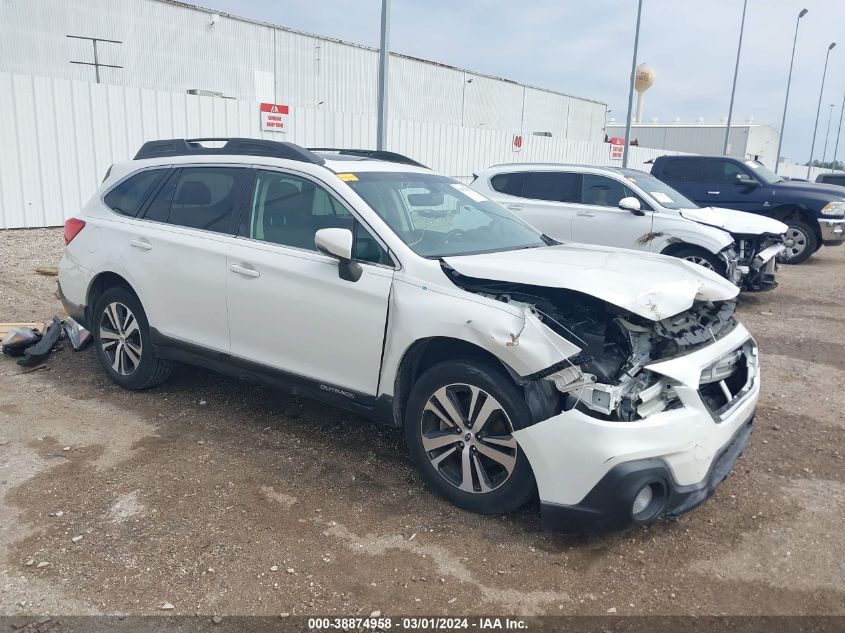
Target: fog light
{"type": "Point", "coordinates": [642, 501]}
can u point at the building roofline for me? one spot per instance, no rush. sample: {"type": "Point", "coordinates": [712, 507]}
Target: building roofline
{"type": "Point", "coordinates": [197, 7]}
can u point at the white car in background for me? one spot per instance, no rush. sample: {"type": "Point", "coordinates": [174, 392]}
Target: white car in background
{"type": "Point", "coordinates": [618, 385]}
{"type": "Point", "coordinates": [628, 208]}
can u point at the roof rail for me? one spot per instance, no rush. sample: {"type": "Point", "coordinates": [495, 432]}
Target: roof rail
{"type": "Point", "coordinates": [378, 154]}
{"type": "Point", "coordinates": [238, 146]}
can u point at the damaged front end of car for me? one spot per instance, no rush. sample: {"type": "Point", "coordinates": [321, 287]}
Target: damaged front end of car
{"type": "Point", "coordinates": [645, 403]}
{"type": "Point", "coordinates": [608, 378]}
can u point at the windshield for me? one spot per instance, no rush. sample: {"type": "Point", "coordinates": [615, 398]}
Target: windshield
{"type": "Point", "coordinates": [763, 173]}
{"type": "Point", "coordinates": [437, 216]}
{"type": "Point", "coordinates": [658, 190]}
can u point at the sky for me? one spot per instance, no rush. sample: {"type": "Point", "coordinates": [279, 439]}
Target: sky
{"type": "Point", "coordinates": [584, 48]}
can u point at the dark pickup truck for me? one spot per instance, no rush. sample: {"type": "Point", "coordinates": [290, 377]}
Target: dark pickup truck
{"type": "Point", "coordinates": [814, 213]}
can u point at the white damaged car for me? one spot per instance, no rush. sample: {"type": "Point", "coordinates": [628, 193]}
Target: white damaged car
{"type": "Point", "coordinates": [617, 385]}
{"type": "Point", "coordinates": [628, 208]}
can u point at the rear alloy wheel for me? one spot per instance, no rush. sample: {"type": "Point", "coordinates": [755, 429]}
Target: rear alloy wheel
{"type": "Point", "coordinates": [122, 341]}
{"type": "Point", "coordinates": [120, 338]}
{"type": "Point", "coordinates": [459, 427]}
{"type": "Point", "coordinates": [800, 241]}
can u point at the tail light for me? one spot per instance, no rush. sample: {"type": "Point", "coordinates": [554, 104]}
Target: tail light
{"type": "Point", "coordinates": [72, 228]}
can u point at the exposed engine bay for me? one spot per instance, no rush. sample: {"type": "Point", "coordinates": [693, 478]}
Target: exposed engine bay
{"type": "Point", "coordinates": [607, 378]}
{"type": "Point", "coordinates": [756, 256]}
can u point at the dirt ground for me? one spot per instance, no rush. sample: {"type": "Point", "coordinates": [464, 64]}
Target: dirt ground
{"type": "Point", "coordinates": [218, 496]}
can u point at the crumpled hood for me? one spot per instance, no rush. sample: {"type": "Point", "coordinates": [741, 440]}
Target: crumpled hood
{"type": "Point", "coordinates": [652, 286]}
{"type": "Point", "coordinates": [737, 222]}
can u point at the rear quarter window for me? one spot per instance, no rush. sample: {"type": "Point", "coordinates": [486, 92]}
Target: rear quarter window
{"type": "Point", "coordinates": [128, 197]}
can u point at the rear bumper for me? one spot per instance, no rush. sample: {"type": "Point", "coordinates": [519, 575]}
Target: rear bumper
{"type": "Point", "coordinates": [75, 311]}
{"type": "Point", "coordinates": [832, 231]}
{"type": "Point", "coordinates": [74, 281]}
{"type": "Point", "coordinates": [608, 505]}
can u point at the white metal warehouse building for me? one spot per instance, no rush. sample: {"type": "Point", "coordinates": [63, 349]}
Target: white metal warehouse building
{"type": "Point", "coordinates": [60, 129]}
{"type": "Point", "coordinates": [747, 140]}
{"type": "Point", "coordinates": [171, 46]}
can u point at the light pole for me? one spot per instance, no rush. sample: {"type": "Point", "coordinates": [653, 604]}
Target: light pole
{"type": "Point", "coordinates": [384, 54]}
{"type": "Point", "coordinates": [736, 73]}
{"type": "Point", "coordinates": [631, 86]}
{"type": "Point", "coordinates": [827, 134]}
{"type": "Point", "coordinates": [836, 147]}
{"type": "Point", "coordinates": [788, 83]}
{"type": "Point", "coordinates": [819, 109]}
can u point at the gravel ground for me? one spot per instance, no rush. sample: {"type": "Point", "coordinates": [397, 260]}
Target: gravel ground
{"type": "Point", "coordinates": [218, 496]}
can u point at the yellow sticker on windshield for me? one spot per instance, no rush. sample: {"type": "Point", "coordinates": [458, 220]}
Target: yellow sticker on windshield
{"type": "Point", "coordinates": [348, 177]}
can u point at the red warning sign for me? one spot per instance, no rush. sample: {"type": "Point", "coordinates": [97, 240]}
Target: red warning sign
{"type": "Point", "coordinates": [273, 117]}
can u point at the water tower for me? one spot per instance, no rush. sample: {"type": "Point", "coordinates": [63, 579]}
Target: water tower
{"type": "Point", "coordinates": [643, 80]}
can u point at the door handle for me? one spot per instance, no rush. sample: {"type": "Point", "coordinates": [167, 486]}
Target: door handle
{"type": "Point", "coordinates": [246, 272]}
{"type": "Point", "coordinates": [586, 214]}
{"type": "Point", "coordinates": [144, 245]}
{"type": "Point", "coordinates": [713, 193]}
{"type": "Point", "coordinates": [515, 207]}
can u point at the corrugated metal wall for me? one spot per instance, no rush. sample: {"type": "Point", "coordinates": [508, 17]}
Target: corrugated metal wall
{"type": "Point", "coordinates": [58, 137]}
{"type": "Point", "coordinates": [173, 47]}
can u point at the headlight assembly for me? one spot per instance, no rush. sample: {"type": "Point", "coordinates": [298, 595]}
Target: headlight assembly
{"type": "Point", "coordinates": [834, 208]}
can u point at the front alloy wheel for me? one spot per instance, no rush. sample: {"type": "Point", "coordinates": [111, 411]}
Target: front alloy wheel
{"type": "Point", "coordinates": [468, 438]}
{"type": "Point", "coordinates": [701, 261]}
{"type": "Point", "coordinates": [461, 422]}
{"type": "Point", "coordinates": [120, 338]}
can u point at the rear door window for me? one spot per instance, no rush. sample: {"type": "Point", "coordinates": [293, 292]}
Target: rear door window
{"type": "Point", "coordinates": [204, 198]}
{"type": "Point", "coordinates": [554, 186]}
{"type": "Point", "coordinates": [128, 197]}
{"type": "Point", "coordinates": [684, 170]}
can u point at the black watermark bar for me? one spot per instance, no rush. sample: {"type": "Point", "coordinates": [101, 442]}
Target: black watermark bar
{"type": "Point", "coordinates": [386, 624]}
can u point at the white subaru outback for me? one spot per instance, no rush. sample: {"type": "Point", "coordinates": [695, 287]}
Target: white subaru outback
{"type": "Point", "coordinates": [617, 385]}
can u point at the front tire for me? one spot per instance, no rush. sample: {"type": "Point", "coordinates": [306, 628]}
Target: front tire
{"type": "Point", "coordinates": [801, 242]}
{"type": "Point", "coordinates": [122, 340]}
{"type": "Point", "coordinates": [702, 258]}
{"type": "Point", "coordinates": [459, 428]}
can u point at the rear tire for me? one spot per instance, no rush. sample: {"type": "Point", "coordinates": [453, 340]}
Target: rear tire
{"type": "Point", "coordinates": [473, 461]}
{"type": "Point", "coordinates": [801, 242]}
{"type": "Point", "coordinates": [122, 340]}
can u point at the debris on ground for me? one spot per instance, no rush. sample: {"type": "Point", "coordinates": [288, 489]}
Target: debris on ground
{"type": "Point", "coordinates": [78, 336]}
{"type": "Point", "coordinates": [36, 353]}
{"type": "Point", "coordinates": [18, 339]}
{"type": "Point", "coordinates": [47, 271]}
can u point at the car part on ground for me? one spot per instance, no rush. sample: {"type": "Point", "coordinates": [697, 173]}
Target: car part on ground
{"type": "Point", "coordinates": [18, 339]}
{"type": "Point", "coordinates": [78, 336]}
{"type": "Point", "coordinates": [580, 359]}
{"type": "Point", "coordinates": [36, 353]}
